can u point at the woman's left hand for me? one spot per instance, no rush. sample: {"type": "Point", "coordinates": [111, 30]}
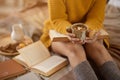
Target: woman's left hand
{"type": "Point", "coordinates": [93, 39]}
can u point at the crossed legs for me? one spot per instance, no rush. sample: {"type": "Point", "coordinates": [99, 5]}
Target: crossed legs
{"type": "Point", "coordinates": [76, 55]}
{"type": "Point", "coordinates": [77, 58]}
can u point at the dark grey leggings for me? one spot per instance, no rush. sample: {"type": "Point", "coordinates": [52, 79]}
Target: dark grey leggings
{"type": "Point", "coordinates": [84, 71]}
{"type": "Point", "coordinates": [110, 71]}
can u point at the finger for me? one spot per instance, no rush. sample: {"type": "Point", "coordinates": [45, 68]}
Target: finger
{"type": "Point", "coordinates": [97, 34]}
{"type": "Point", "coordinates": [71, 35]}
{"type": "Point", "coordinates": [90, 40]}
{"type": "Point", "coordinates": [87, 38]}
{"type": "Point", "coordinates": [78, 42]}
{"type": "Point", "coordinates": [83, 42]}
{"type": "Point", "coordinates": [75, 39]}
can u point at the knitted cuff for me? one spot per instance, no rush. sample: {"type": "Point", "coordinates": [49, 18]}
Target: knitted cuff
{"type": "Point", "coordinates": [84, 71]}
{"type": "Point", "coordinates": [110, 71]}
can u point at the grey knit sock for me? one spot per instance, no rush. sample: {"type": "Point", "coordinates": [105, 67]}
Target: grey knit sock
{"type": "Point", "coordinates": [84, 71]}
{"type": "Point", "coordinates": [110, 71]}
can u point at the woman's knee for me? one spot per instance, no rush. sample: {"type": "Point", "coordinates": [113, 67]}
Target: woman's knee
{"type": "Point", "coordinates": [95, 47]}
{"type": "Point", "coordinates": [95, 50]}
{"type": "Point", "coordinates": [98, 53]}
{"type": "Point", "coordinates": [76, 54]}
{"type": "Point", "coordinates": [75, 50]}
{"type": "Point", "coordinates": [68, 49]}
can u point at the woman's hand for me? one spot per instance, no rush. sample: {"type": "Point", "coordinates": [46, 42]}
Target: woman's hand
{"type": "Point", "coordinates": [93, 38]}
{"type": "Point", "coordinates": [74, 39]}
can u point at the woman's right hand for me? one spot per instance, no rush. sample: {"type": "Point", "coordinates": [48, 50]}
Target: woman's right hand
{"type": "Point", "coordinates": [74, 39]}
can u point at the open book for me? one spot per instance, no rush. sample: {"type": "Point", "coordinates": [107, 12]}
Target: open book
{"type": "Point", "coordinates": [103, 34]}
{"type": "Point", "coordinates": [37, 58]}
{"type": "Point", "coordinates": [56, 36]}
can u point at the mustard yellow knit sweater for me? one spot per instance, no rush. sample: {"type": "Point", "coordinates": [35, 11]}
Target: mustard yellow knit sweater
{"type": "Point", "coordinates": [63, 13]}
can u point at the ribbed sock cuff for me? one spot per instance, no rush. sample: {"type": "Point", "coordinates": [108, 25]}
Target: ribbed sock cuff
{"type": "Point", "coordinates": [110, 71]}
{"type": "Point", "coordinates": [84, 71]}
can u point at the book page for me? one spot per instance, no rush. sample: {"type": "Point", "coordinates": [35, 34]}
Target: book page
{"type": "Point", "coordinates": [56, 36]}
{"type": "Point", "coordinates": [51, 65]}
{"type": "Point", "coordinates": [34, 53]}
{"type": "Point", "coordinates": [103, 34]}
{"type": "Point", "coordinates": [59, 74]}
{"type": "Point", "coordinates": [20, 60]}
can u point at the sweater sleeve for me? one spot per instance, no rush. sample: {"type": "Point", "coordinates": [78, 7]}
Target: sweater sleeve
{"type": "Point", "coordinates": [95, 16]}
{"type": "Point", "coordinates": [58, 16]}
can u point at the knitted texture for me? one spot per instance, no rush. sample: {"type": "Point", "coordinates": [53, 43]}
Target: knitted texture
{"type": "Point", "coordinates": [110, 71]}
{"type": "Point", "coordinates": [84, 71]}
{"type": "Point", "coordinates": [63, 13]}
